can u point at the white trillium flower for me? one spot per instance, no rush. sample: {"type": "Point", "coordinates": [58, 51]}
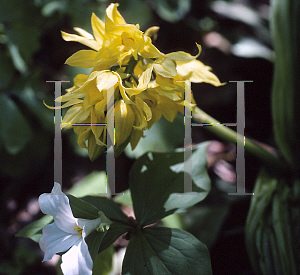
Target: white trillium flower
{"type": "Point", "coordinates": [66, 232]}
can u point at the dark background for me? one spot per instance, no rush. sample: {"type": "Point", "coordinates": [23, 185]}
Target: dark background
{"type": "Point", "coordinates": [26, 153]}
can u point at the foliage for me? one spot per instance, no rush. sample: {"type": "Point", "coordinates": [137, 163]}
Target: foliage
{"type": "Point", "coordinates": [167, 227]}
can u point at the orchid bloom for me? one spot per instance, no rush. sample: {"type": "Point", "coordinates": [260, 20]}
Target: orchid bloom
{"type": "Point", "coordinates": [66, 233]}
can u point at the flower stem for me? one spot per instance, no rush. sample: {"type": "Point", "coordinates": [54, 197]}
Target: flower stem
{"type": "Point", "coordinates": [231, 136]}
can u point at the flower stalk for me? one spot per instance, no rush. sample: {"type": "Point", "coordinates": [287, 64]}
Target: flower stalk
{"type": "Point", "coordinates": [267, 158]}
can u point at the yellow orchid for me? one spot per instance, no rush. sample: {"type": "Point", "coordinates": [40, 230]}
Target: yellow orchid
{"type": "Point", "coordinates": [145, 83]}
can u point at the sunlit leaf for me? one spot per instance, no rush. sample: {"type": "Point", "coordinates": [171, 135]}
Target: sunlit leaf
{"type": "Point", "coordinates": [162, 137]}
{"type": "Point", "coordinates": [159, 250]}
{"type": "Point", "coordinates": [157, 184]}
{"type": "Point", "coordinates": [82, 209]}
{"type": "Point", "coordinates": [34, 230]}
{"type": "Point", "coordinates": [91, 185]}
{"type": "Point", "coordinates": [103, 262]}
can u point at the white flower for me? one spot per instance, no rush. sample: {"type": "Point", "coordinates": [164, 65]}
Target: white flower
{"type": "Point", "coordinates": [66, 232]}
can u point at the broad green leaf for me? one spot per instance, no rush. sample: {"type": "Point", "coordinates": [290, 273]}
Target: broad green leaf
{"type": "Point", "coordinates": [15, 130]}
{"type": "Point", "coordinates": [113, 233]}
{"type": "Point", "coordinates": [157, 184]}
{"type": "Point", "coordinates": [173, 221]}
{"type": "Point", "coordinates": [163, 136]}
{"type": "Point", "coordinates": [124, 198]}
{"type": "Point", "coordinates": [93, 240]}
{"type": "Point", "coordinates": [103, 262]}
{"type": "Point", "coordinates": [34, 230]}
{"type": "Point", "coordinates": [110, 208]}
{"type": "Point", "coordinates": [159, 250]}
{"type": "Point", "coordinates": [82, 209]}
{"type": "Point", "coordinates": [91, 185]}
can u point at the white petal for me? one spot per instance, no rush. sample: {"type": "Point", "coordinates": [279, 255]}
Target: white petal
{"type": "Point", "coordinates": [77, 261]}
{"type": "Point", "coordinates": [88, 225]}
{"type": "Point", "coordinates": [69, 265]}
{"type": "Point", "coordinates": [84, 258]}
{"type": "Point", "coordinates": [57, 205]}
{"type": "Point", "coordinates": [54, 240]}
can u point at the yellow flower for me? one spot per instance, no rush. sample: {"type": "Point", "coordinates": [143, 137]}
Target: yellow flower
{"type": "Point", "coordinates": [145, 83]}
{"type": "Point", "coordinates": [114, 42]}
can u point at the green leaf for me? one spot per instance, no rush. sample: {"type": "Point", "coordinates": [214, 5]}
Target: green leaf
{"type": "Point", "coordinates": [110, 208]}
{"type": "Point", "coordinates": [159, 250]}
{"type": "Point", "coordinates": [103, 262]}
{"type": "Point", "coordinates": [163, 136]}
{"type": "Point", "coordinates": [285, 19]}
{"type": "Point", "coordinates": [93, 240]}
{"type": "Point", "coordinates": [82, 209]}
{"type": "Point", "coordinates": [37, 108]}
{"type": "Point", "coordinates": [7, 71]}
{"type": "Point", "coordinates": [33, 230]}
{"type": "Point", "coordinates": [113, 233]}
{"type": "Point", "coordinates": [15, 130]}
{"type": "Point", "coordinates": [124, 198]}
{"type": "Point", "coordinates": [91, 185]}
{"type": "Point", "coordinates": [157, 183]}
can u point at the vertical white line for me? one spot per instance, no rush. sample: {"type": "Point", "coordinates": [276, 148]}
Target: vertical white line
{"type": "Point", "coordinates": [188, 139]}
{"type": "Point", "coordinates": [57, 133]}
{"type": "Point", "coordinates": [110, 156]}
{"type": "Point", "coordinates": [240, 148]}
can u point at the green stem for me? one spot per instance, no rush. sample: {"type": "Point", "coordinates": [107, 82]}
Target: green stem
{"type": "Point", "coordinates": [231, 136]}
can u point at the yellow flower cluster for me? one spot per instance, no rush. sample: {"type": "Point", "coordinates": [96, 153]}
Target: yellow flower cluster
{"type": "Point", "coordinates": [147, 83]}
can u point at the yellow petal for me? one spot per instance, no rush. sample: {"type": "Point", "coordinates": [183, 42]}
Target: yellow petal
{"type": "Point", "coordinates": [136, 135]}
{"type": "Point", "coordinates": [71, 102]}
{"type": "Point", "coordinates": [141, 105]}
{"type": "Point", "coordinates": [93, 96]}
{"type": "Point", "coordinates": [83, 58]}
{"type": "Point", "coordinates": [97, 130]}
{"type": "Point", "coordinates": [93, 44]}
{"type": "Point", "coordinates": [100, 108]}
{"type": "Point", "coordinates": [124, 119]}
{"type": "Point", "coordinates": [140, 122]}
{"type": "Point", "coordinates": [71, 96]}
{"type": "Point", "coordinates": [98, 27]}
{"type": "Point", "coordinates": [195, 71]}
{"type": "Point", "coordinates": [115, 23]}
{"type": "Point", "coordinates": [166, 68]}
{"type": "Point", "coordinates": [107, 79]}
{"type": "Point", "coordinates": [94, 149]}
{"type": "Point", "coordinates": [168, 108]}
{"type": "Point", "coordinates": [113, 14]}
{"type": "Point", "coordinates": [80, 79]}
{"type": "Point", "coordinates": [143, 82]}
{"type": "Point", "coordinates": [183, 56]}
{"type": "Point", "coordinates": [152, 32]}
{"type": "Point", "coordinates": [148, 50]}
{"type": "Point", "coordinates": [84, 33]}
{"type": "Point", "coordinates": [170, 84]}
{"type": "Point", "coordinates": [76, 114]}
{"type": "Point", "coordinates": [83, 137]}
